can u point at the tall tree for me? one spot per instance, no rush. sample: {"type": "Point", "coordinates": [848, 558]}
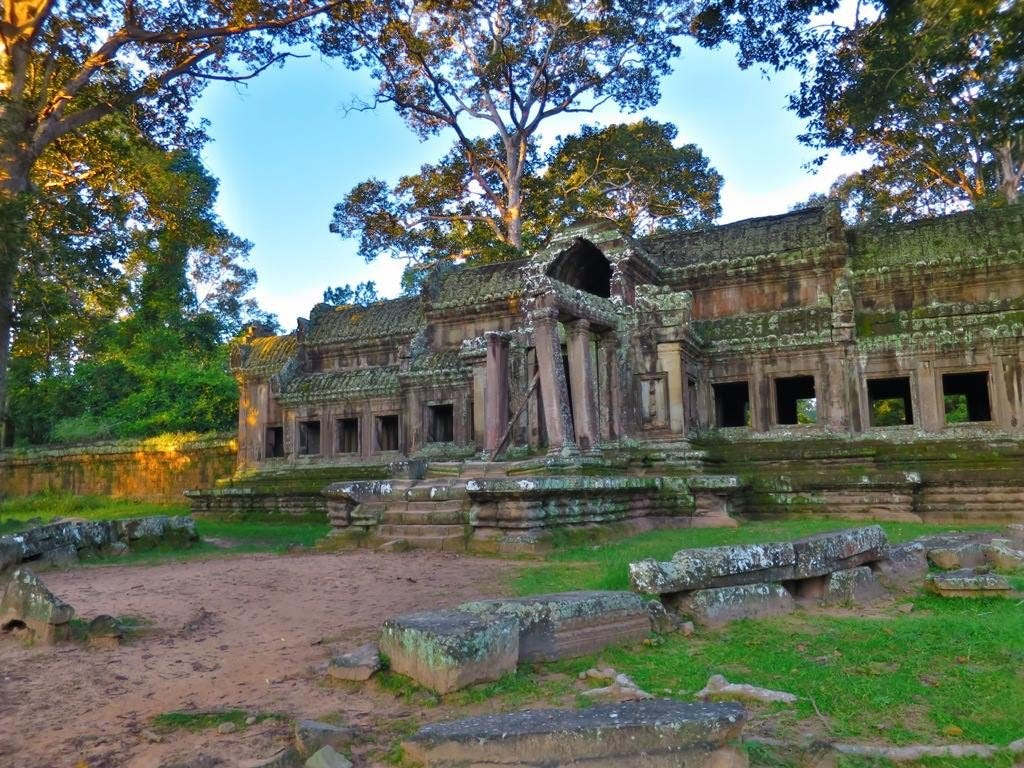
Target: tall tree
{"type": "Point", "coordinates": [492, 72]}
{"type": "Point", "coordinates": [931, 89]}
{"type": "Point", "coordinates": [66, 65]}
{"type": "Point", "coordinates": [631, 173]}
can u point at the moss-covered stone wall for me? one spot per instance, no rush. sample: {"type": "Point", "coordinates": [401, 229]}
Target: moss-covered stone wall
{"type": "Point", "coordinates": [158, 469]}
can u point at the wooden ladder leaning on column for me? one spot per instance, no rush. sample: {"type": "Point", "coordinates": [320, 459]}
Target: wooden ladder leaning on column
{"type": "Point", "coordinates": [512, 422]}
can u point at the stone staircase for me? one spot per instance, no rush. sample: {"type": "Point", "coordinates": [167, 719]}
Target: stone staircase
{"type": "Point", "coordinates": [429, 514]}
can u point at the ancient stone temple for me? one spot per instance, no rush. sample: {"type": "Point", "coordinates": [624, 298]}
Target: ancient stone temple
{"type": "Point", "coordinates": [783, 363]}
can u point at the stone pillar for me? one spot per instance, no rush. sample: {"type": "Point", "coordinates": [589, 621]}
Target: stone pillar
{"type": "Point", "coordinates": [581, 376]}
{"type": "Point", "coordinates": [608, 374]}
{"type": "Point", "coordinates": [670, 361]}
{"type": "Point", "coordinates": [496, 391]}
{"type": "Point", "coordinates": [930, 411]}
{"type": "Point", "coordinates": [479, 405]}
{"type": "Point", "coordinates": [557, 418]}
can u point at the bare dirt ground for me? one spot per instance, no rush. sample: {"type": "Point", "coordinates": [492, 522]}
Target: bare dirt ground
{"type": "Point", "coordinates": [245, 632]}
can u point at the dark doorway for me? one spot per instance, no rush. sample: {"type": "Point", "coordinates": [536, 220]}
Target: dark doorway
{"type": "Point", "coordinates": [965, 397]}
{"type": "Point", "coordinates": [275, 442]}
{"type": "Point", "coordinates": [441, 423]}
{"type": "Point", "coordinates": [583, 266]}
{"type": "Point", "coordinates": [890, 403]}
{"type": "Point", "coordinates": [732, 404]}
{"type": "Point", "coordinates": [348, 435]}
{"type": "Point", "coordinates": [387, 433]}
{"type": "Point", "coordinates": [309, 438]}
{"type": "Point", "coordinates": [795, 400]}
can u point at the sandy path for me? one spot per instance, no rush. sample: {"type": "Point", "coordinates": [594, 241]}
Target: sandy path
{"type": "Point", "coordinates": [242, 632]}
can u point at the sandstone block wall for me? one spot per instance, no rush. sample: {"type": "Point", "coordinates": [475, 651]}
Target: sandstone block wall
{"type": "Point", "coordinates": [158, 469]}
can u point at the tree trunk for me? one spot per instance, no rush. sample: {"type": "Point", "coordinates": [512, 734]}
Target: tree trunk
{"type": "Point", "coordinates": [1010, 173]}
{"type": "Point", "coordinates": [13, 186]}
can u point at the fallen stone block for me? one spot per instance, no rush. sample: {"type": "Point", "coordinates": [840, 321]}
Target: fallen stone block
{"type": "Point", "coordinates": [148, 532]}
{"type": "Point", "coordinates": [328, 758]}
{"type": "Point", "coordinates": [359, 664]}
{"type": "Point", "coordinates": [838, 551]}
{"type": "Point", "coordinates": [711, 607]}
{"type": "Point", "coordinates": [26, 601]}
{"type": "Point", "coordinates": [1015, 533]}
{"type": "Point", "coordinates": [969, 555]}
{"type": "Point", "coordinates": [711, 567]}
{"type": "Point", "coordinates": [967, 583]}
{"type": "Point", "coordinates": [1004, 555]}
{"type": "Point", "coordinates": [622, 688]}
{"type": "Point", "coordinates": [707, 567]}
{"type": "Point", "coordinates": [10, 556]}
{"type": "Point", "coordinates": [720, 688]}
{"type": "Point", "coordinates": [854, 586]}
{"type": "Point", "coordinates": [654, 734]}
{"type": "Point", "coordinates": [903, 568]}
{"type": "Point", "coordinates": [569, 624]}
{"type": "Point", "coordinates": [449, 650]}
{"type": "Point", "coordinates": [312, 735]}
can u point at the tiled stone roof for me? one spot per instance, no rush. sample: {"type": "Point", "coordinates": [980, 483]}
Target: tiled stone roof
{"type": "Point", "coordinates": [439, 367]}
{"type": "Point", "coordinates": [797, 232]}
{"type": "Point", "coordinates": [341, 385]}
{"type": "Point", "coordinates": [466, 286]}
{"type": "Point", "coordinates": [385, 319]}
{"type": "Point", "coordinates": [263, 356]}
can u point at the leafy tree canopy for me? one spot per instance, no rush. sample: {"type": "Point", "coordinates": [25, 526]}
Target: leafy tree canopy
{"type": "Point", "coordinates": [631, 173]}
{"type": "Point", "coordinates": [491, 73]}
{"type": "Point", "coordinates": [363, 294]}
{"type": "Point", "coordinates": [931, 89]}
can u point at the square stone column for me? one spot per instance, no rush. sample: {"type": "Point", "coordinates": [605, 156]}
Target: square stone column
{"type": "Point", "coordinates": [608, 374]}
{"type": "Point", "coordinates": [670, 361]}
{"type": "Point", "coordinates": [584, 389]}
{"type": "Point", "coordinates": [557, 418]}
{"type": "Point", "coordinates": [496, 391]}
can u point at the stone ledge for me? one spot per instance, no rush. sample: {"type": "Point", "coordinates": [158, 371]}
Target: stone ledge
{"type": "Point", "coordinates": [652, 733]}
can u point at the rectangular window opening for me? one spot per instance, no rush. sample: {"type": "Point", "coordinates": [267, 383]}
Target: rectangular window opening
{"type": "Point", "coordinates": [387, 433]}
{"type": "Point", "coordinates": [965, 397]}
{"type": "Point", "coordinates": [732, 404]}
{"type": "Point", "coordinates": [309, 438]}
{"type": "Point", "coordinates": [890, 403]}
{"type": "Point", "coordinates": [348, 435]}
{"type": "Point", "coordinates": [275, 442]}
{"type": "Point", "coordinates": [441, 423]}
{"type": "Point", "coordinates": [795, 400]}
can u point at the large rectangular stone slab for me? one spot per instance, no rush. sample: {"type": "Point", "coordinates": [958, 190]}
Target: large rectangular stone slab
{"type": "Point", "coordinates": [838, 551]}
{"type": "Point", "coordinates": [713, 607]}
{"type": "Point", "coordinates": [569, 624]}
{"type": "Point", "coordinates": [713, 567]}
{"type": "Point", "coordinates": [449, 650]}
{"type": "Point", "coordinates": [653, 734]}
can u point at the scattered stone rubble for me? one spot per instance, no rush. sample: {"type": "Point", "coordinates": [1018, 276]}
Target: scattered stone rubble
{"type": "Point", "coordinates": [714, 585]}
{"type": "Point", "coordinates": [652, 733]}
{"type": "Point", "coordinates": [28, 607]}
{"type": "Point", "coordinates": [66, 542]}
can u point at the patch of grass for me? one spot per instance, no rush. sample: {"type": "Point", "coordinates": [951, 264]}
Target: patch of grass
{"type": "Point", "coordinates": [200, 721]}
{"type": "Point", "coordinates": [406, 689]}
{"type": "Point", "coordinates": [605, 566]}
{"type": "Point", "coordinates": [17, 514]}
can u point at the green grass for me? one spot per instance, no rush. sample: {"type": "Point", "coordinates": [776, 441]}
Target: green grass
{"type": "Point", "coordinates": [605, 566]}
{"type": "Point", "coordinates": [200, 721]}
{"type": "Point", "coordinates": [15, 514]}
{"type": "Point", "coordinates": [889, 677]}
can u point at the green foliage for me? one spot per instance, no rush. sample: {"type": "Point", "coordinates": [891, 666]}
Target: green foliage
{"type": "Point", "coordinates": [955, 407]}
{"type": "Point", "coordinates": [631, 173]}
{"type": "Point", "coordinates": [491, 73]}
{"type": "Point", "coordinates": [363, 294]}
{"type": "Point", "coordinates": [931, 89]}
{"type": "Point", "coordinates": [201, 721]}
{"type": "Point", "coordinates": [889, 412]}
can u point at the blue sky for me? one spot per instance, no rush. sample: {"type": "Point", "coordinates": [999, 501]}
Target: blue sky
{"type": "Point", "coordinates": [285, 152]}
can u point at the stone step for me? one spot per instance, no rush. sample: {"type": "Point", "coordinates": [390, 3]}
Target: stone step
{"type": "Point", "coordinates": [455, 543]}
{"type": "Point", "coordinates": [413, 531]}
{"type": "Point", "coordinates": [440, 516]}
